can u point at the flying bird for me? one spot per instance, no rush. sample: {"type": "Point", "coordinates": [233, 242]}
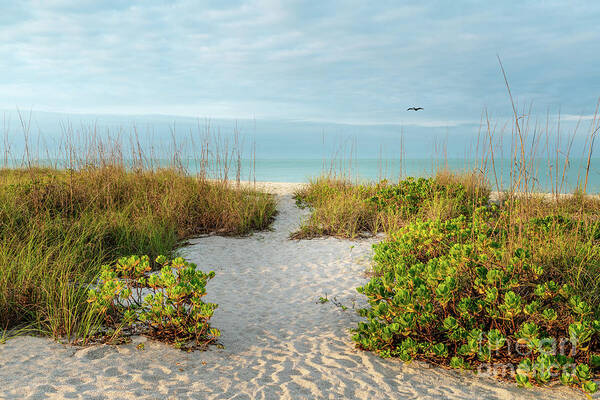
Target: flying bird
{"type": "Point", "coordinates": [414, 108]}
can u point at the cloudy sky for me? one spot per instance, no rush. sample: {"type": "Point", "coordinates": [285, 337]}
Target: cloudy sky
{"type": "Point", "coordinates": [348, 61]}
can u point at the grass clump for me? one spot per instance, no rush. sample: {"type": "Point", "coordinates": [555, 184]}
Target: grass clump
{"type": "Point", "coordinates": [511, 290]}
{"type": "Point", "coordinates": [167, 305]}
{"type": "Point", "coordinates": [342, 209]}
{"type": "Point", "coordinates": [57, 227]}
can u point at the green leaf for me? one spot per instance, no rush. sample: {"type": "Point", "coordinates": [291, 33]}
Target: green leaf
{"type": "Point", "coordinates": [589, 387]}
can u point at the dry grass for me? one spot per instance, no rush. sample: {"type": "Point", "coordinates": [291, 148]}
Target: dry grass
{"type": "Point", "coordinates": [59, 225]}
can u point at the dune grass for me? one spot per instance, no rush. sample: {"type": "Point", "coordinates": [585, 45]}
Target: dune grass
{"type": "Point", "coordinates": [343, 209]}
{"type": "Point", "coordinates": [57, 227]}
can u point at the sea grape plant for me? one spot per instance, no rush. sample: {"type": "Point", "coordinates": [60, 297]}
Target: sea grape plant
{"type": "Point", "coordinates": [455, 293]}
{"type": "Point", "coordinates": [166, 305]}
{"type": "Point", "coordinates": [410, 195]}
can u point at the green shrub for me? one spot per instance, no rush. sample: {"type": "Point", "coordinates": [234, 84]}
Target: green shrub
{"type": "Point", "coordinates": [466, 292]}
{"type": "Point", "coordinates": [410, 196]}
{"type": "Point", "coordinates": [167, 305]}
{"type": "Point", "coordinates": [342, 209]}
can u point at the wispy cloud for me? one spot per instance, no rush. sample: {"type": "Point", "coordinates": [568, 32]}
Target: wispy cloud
{"type": "Point", "coordinates": [325, 61]}
{"type": "Point", "coordinates": [570, 117]}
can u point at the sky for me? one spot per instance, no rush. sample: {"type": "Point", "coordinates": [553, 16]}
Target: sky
{"type": "Point", "coordinates": [352, 62]}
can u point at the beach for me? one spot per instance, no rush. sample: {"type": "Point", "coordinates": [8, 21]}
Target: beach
{"type": "Point", "coordinates": [264, 199]}
{"type": "Point", "coordinates": [278, 340]}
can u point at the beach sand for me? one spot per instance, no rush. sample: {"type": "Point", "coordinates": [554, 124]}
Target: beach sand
{"type": "Point", "coordinates": [279, 341]}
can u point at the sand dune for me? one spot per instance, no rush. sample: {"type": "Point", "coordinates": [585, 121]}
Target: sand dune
{"type": "Point", "coordinates": [279, 342]}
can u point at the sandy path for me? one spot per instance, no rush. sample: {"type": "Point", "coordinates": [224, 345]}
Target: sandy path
{"type": "Point", "coordinates": [279, 342]}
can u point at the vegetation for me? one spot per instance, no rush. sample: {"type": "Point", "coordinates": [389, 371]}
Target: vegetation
{"type": "Point", "coordinates": [58, 226]}
{"type": "Point", "coordinates": [509, 288]}
{"type": "Point", "coordinates": [342, 209]}
{"type": "Point", "coordinates": [167, 305]}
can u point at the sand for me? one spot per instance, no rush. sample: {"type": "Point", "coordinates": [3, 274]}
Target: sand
{"type": "Point", "coordinates": [279, 341]}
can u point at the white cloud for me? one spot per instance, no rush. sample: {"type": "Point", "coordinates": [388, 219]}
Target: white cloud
{"type": "Point", "coordinates": [570, 117]}
{"type": "Point", "coordinates": [326, 61]}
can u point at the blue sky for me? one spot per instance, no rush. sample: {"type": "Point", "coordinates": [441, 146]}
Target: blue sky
{"type": "Point", "coordinates": [346, 62]}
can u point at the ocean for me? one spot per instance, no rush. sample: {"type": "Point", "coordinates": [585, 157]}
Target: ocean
{"type": "Point", "coordinates": [296, 151]}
